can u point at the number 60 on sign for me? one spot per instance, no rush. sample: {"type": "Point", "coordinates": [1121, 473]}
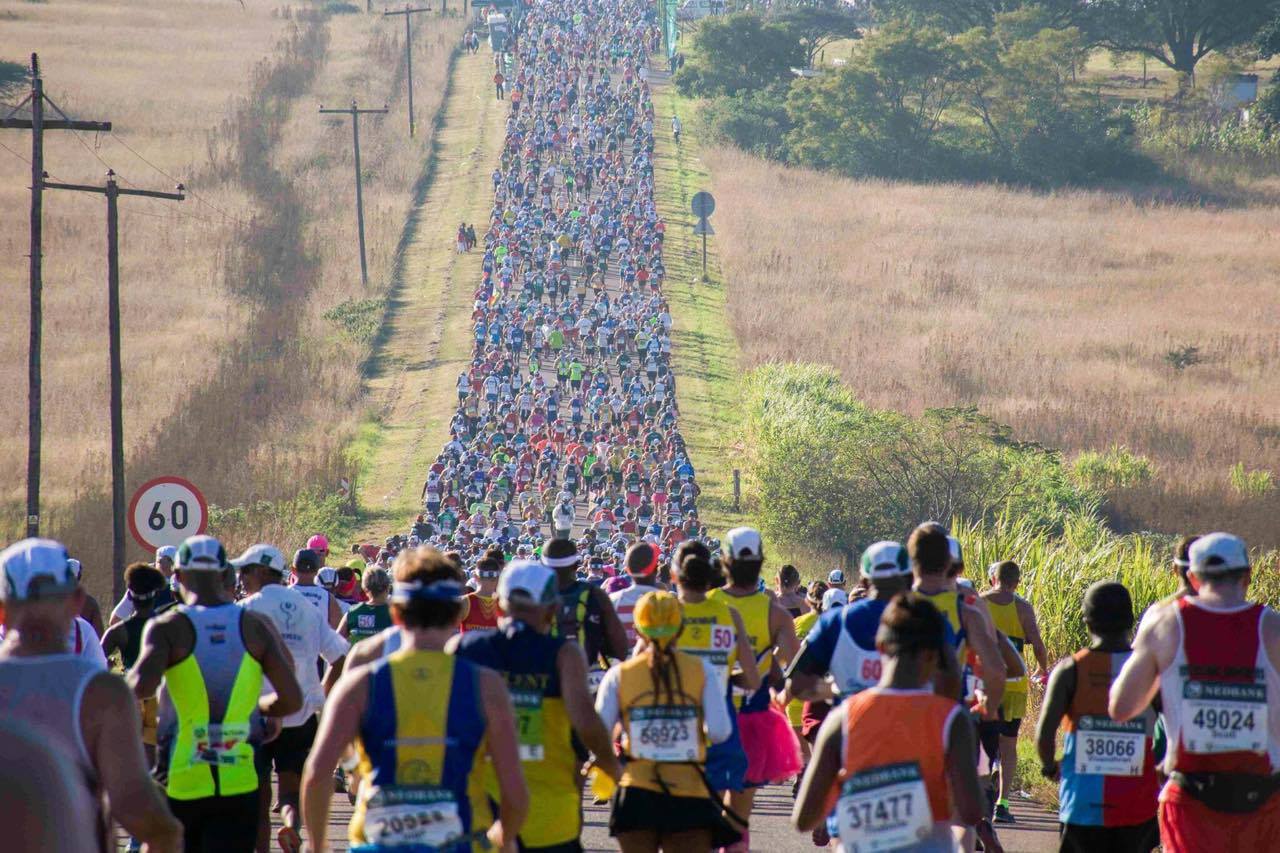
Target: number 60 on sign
{"type": "Point", "coordinates": [165, 511]}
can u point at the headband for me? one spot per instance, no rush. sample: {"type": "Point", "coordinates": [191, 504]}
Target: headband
{"type": "Point", "coordinates": [402, 592]}
{"type": "Point", "coordinates": [649, 567]}
{"type": "Point", "coordinates": [561, 562]}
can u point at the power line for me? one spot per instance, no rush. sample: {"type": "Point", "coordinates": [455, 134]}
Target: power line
{"type": "Point", "coordinates": [190, 192]}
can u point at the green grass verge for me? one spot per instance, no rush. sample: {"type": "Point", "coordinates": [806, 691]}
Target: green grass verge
{"type": "Point", "coordinates": [704, 351]}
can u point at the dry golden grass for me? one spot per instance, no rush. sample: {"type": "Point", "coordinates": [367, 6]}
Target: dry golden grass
{"type": "Point", "coordinates": [164, 74]}
{"type": "Point", "coordinates": [1051, 312]}
{"type": "Point", "coordinates": [255, 396]}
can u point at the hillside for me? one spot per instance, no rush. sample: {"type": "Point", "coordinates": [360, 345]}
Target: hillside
{"type": "Point", "coordinates": [1059, 314]}
{"type": "Point", "coordinates": [249, 292]}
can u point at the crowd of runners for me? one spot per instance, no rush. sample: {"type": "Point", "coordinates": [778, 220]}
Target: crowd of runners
{"type": "Point", "coordinates": [558, 617]}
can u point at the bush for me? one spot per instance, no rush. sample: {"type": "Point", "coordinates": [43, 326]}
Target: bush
{"type": "Point", "coordinates": [1251, 484]}
{"type": "Point", "coordinates": [738, 53]}
{"type": "Point", "coordinates": [1112, 470]}
{"type": "Point", "coordinates": [359, 319]}
{"type": "Point", "coordinates": [756, 122]}
{"type": "Point", "coordinates": [827, 472]}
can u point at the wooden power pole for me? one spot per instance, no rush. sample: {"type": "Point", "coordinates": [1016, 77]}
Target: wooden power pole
{"type": "Point", "coordinates": [38, 124]}
{"type": "Point", "coordinates": [355, 112]}
{"type": "Point", "coordinates": [112, 191]}
{"type": "Point", "coordinates": [408, 13]}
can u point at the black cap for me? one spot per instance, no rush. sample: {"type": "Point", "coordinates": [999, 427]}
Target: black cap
{"type": "Point", "coordinates": [306, 560]}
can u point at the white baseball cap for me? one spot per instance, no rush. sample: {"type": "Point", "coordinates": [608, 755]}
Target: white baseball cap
{"type": "Point", "coordinates": [885, 559]}
{"type": "Point", "coordinates": [836, 576]}
{"type": "Point", "coordinates": [201, 553]}
{"type": "Point", "coordinates": [1218, 553]}
{"type": "Point", "coordinates": [528, 578]}
{"type": "Point", "coordinates": [743, 543]}
{"type": "Point", "coordinates": [35, 569]}
{"type": "Point", "coordinates": [262, 555]}
{"type": "Point", "coordinates": [167, 552]}
{"type": "Point", "coordinates": [834, 598]}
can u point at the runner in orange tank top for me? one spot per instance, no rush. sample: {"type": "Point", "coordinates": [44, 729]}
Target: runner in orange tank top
{"type": "Point", "coordinates": [893, 759]}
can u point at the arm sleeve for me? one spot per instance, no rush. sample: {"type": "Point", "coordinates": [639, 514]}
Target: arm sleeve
{"type": "Point", "coordinates": [607, 699]}
{"type": "Point", "coordinates": [719, 726]}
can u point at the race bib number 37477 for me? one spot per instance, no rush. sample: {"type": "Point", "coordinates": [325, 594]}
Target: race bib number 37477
{"type": "Point", "coordinates": [884, 808]}
{"type": "Point", "coordinates": [1224, 717]}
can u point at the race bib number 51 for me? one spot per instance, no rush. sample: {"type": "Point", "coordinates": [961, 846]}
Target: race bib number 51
{"type": "Point", "coordinates": [1105, 747]}
{"type": "Point", "coordinates": [664, 733]}
{"type": "Point", "coordinates": [1224, 717]}
{"type": "Point", "coordinates": [884, 808]}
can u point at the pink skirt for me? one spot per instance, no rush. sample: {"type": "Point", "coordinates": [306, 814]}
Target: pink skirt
{"type": "Point", "coordinates": [773, 752]}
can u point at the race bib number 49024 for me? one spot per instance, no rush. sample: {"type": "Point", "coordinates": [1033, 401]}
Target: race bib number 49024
{"type": "Point", "coordinates": [884, 808]}
{"type": "Point", "coordinates": [412, 817]}
{"type": "Point", "coordinates": [1224, 717]}
{"type": "Point", "coordinates": [1105, 747]}
{"type": "Point", "coordinates": [664, 733]}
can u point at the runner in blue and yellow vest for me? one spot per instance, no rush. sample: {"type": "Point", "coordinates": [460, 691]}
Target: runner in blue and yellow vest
{"type": "Point", "coordinates": [896, 760]}
{"type": "Point", "coordinates": [547, 677]}
{"type": "Point", "coordinates": [208, 657]}
{"type": "Point", "coordinates": [714, 631]}
{"type": "Point", "coordinates": [669, 706]}
{"type": "Point", "coordinates": [1109, 789]}
{"type": "Point", "coordinates": [419, 719]}
{"type": "Point", "coordinates": [772, 748]}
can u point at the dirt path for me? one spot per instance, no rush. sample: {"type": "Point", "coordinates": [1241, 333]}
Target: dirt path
{"type": "Point", "coordinates": [425, 341]}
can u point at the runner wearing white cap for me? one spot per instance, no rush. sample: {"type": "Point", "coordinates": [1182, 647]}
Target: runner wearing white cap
{"type": "Point", "coordinates": [1214, 659]}
{"type": "Point", "coordinates": [307, 636]}
{"type": "Point", "coordinates": [208, 657]}
{"type": "Point", "coordinates": [81, 714]}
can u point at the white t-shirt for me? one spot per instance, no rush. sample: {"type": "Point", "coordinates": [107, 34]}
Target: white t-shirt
{"type": "Point", "coordinates": [624, 601]}
{"type": "Point", "coordinates": [307, 634]}
{"type": "Point", "coordinates": [82, 641]}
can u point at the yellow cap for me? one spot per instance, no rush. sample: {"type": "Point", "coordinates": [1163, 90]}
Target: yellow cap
{"type": "Point", "coordinates": [658, 615]}
{"type": "Point", "coordinates": [356, 563]}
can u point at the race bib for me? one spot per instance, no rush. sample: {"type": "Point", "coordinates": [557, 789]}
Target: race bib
{"type": "Point", "coordinates": [664, 733]}
{"type": "Point", "coordinates": [1105, 747]}
{"type": "Point", "coordinates": [221, 744]}
{"type": "Point", "coordinates": [529, 724]}
{"type": "Point", "coordinates": [712, 643]}
{"type": "Point", "coordinates": [404, 817]}
{"type": "Point", "coordinates": [1223, 717]}
{"type": "Point", "coordinates": [884, 808]}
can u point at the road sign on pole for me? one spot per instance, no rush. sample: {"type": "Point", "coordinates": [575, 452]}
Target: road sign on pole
{"type": "Point", "coordinates": [165, 511]}
{"type": "Point", "coordinates": [703, 204]}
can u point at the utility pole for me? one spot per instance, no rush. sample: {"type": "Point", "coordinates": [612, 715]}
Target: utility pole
{"type": "Point", "coordinates": [355, 112]}
{"type": "Point", "coordinates": [38, 124]}
{"type": "Point", "coordinates": [112, 191]}
{"type": "Point", "coordinates": [408, 13]}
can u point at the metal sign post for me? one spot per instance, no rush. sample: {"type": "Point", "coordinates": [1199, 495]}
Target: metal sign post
{"type": "Point", "coordinates": [703, 205]}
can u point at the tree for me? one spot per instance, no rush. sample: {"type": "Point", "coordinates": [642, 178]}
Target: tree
{"type": "Point", "coordinates": [816, 27]}
{"type": "Point", "coordinates": [738, 53]}
{"type": "Point", "coordinates": [1179, 33]}
{"type": "Point", "coordinates": [957, 16]}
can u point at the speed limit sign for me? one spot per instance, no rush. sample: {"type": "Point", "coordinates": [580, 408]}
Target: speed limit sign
{"type": "Point", "coordinates": [165, 511]}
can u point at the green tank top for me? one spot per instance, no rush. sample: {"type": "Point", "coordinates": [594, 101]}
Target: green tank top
{"type": "Point", "coordinates": [365, 620]}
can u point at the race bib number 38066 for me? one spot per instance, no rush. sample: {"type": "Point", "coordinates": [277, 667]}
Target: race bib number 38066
{"type": "Point", "coordinates": [664, 733]}
{"type": "Point", "coordinates": [884, 808]}
{"type": "Point", "coordinates": [1105, 747]}
{"type": "Point", "coordinates": [1224, 717]}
